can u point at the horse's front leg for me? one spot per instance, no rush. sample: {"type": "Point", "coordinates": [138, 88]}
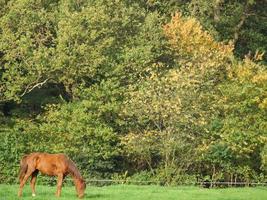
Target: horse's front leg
{"type": "Point", "coordinates": [59, 184]}
{"type": "Point", "coordinates": [33, 181]}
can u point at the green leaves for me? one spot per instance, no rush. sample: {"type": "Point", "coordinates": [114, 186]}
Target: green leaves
{"type": "Point", "coordinates": [27, 35]}
{"type": "Point", "coordinates": [107, 83]}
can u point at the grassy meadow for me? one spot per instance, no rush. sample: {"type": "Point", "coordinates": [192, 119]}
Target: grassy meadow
{"type": "Point", "coordinates": [131, 192]}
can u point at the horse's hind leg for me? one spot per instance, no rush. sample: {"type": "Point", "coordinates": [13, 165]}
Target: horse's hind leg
{"type": "Point", "coordinates": [23, 181]}
{"type": "Point", "coordinates": [33, 181]}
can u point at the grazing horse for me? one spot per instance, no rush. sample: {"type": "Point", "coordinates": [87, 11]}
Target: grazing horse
{"type": "Point", "coordinates": [50, 164]}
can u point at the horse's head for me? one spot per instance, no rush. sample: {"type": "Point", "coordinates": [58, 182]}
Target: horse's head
{"type": "Point", "coordinates": [80, 187]}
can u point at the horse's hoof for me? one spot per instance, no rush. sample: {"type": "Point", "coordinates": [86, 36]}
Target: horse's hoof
{"type": "Point", "coordinates": [33, 195]}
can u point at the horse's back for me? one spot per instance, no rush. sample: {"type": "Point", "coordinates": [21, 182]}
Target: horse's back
{"type": "Point", "coordinates": [45, 156]}
{"type": "Point", "coordinates": [50, 164]}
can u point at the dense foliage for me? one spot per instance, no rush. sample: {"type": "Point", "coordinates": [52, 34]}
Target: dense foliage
{"type": "Point", "coordinates": [171, 91]}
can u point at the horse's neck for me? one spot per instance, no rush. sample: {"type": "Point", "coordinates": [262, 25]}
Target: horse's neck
{"type": "Point", "coordinates": [73, 171]}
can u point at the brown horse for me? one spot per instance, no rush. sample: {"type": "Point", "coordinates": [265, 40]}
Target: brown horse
{"type": "Point", "coordinates": [50, 164]}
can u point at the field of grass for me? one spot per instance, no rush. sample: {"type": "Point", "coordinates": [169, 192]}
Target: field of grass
{"type": "Point", "coordinates": [131, 192]}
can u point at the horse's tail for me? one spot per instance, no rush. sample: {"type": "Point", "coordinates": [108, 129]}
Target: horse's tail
{"type": "Point", "coordinates": [23, 168]}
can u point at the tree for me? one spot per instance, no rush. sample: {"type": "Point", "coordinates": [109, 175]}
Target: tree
{"type": "Point", "coordinates": [243, 103]}
{"type": "Point", "coordinates": [243, 22]}
{"type": "Point", "coordinates": [59, 58]}
{"type": "Point", "coordinates": [239, 21]}
{"type": "Point", "coordinates": [173, 108]}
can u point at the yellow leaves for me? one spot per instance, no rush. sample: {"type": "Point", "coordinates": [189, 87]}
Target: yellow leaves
{"type": "Point", "coordinates": [244, 72]}
{"type": "Point", "coordinates": [137, 137]}
{"type": "Point", "coordinates": [203, 148]}
{"type": "Point", "coordinates": [251, 78]}
{"type": "Point", "coordinates": [140, 142]}
{"type": "Point", "coordinates": [187, 38]}
{"type": "Point", "coordinates": [263, 104]}
{"type": "Point", "coordinates": [248, 71]}
{"type": "Point", "coordinates": [263, 139]}
{"type": "Point", "coordinates": [258, 56]}
{"type": "Point", "coordinates": [260, 78]}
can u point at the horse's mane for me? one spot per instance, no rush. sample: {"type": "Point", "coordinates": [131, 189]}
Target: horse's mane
{"type": "Point", "coordinates": [73, 170]}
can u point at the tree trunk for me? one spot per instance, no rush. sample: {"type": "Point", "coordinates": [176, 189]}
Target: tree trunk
{"type": "Point", "coordinates": [213, 175]}
{"type": "Point", "coordinates": [217, 10]}
{"type": "Point", "coordinates": [231, 182]}
{"type": "Point", "coordinates": [241, 23]}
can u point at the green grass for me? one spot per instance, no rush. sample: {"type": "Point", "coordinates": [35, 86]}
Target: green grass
{"type": "Point", "coordinates": [131, 192]}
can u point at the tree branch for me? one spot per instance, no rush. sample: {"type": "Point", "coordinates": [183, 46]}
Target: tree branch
{"type": "Point", "coordinates": [29, 88]}
{"type": "Point", "coordinates": [241, 22]}
{"type": "Point", "coordinates": [217, 10]}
